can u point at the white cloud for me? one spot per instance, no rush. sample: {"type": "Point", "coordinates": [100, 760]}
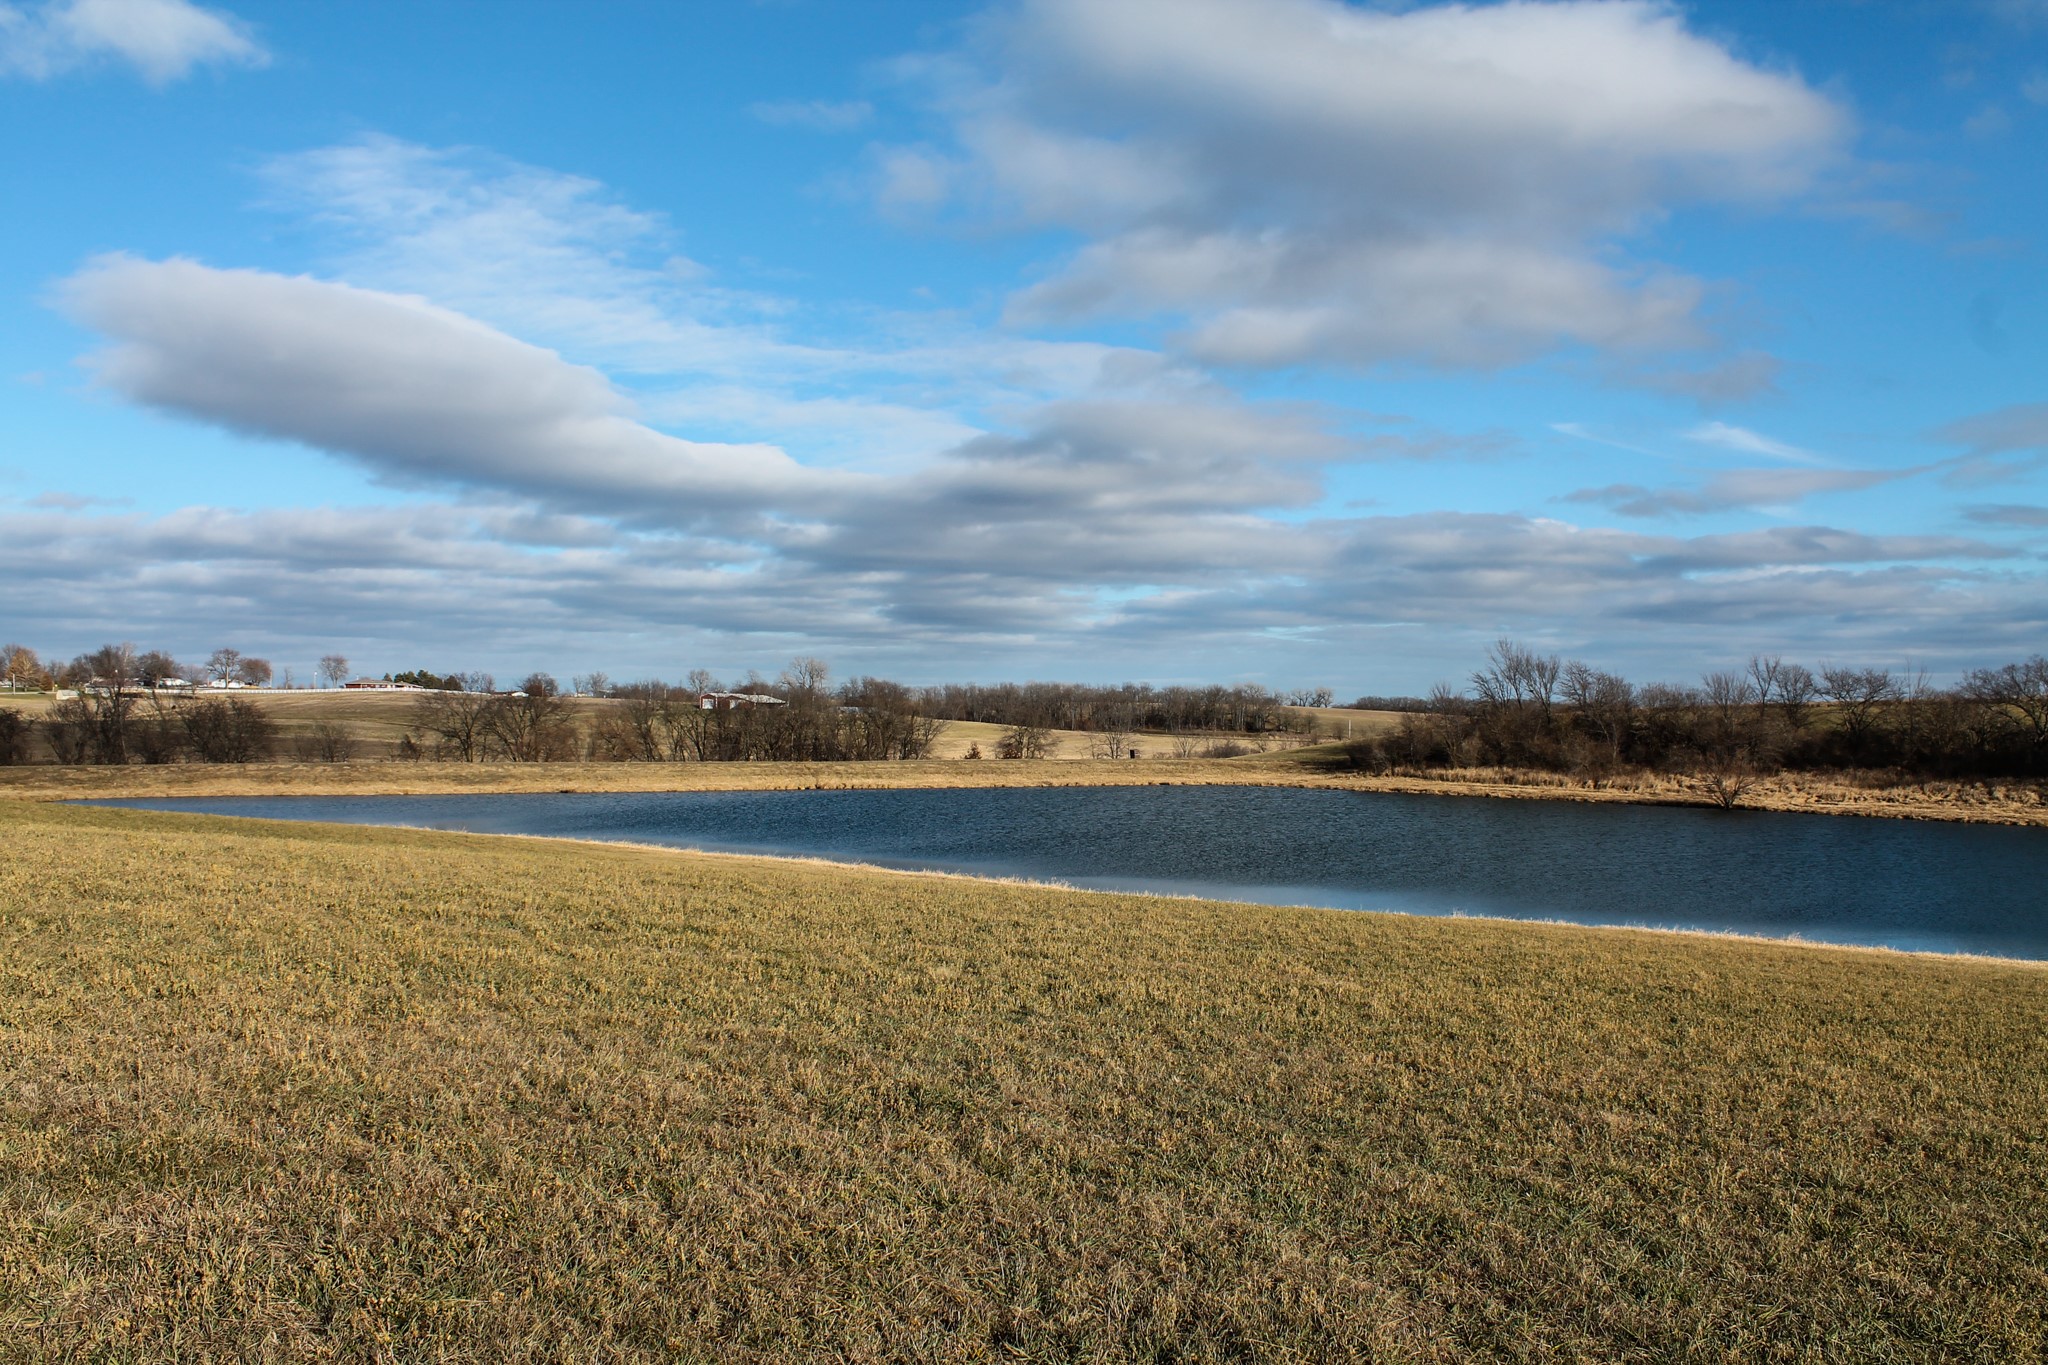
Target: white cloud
{"type": "Point", "coordinates": [1092, 515]}
{"type": "Point", "coordinates": [1744, 441]}
{"type": "Point", "coordinates": [1264, 301]}
{"type": "Point", "coordinates": [418, 393]}
{"type": "Point", "coordinates": [1305, 180]}
{"type": "Point", "coordinates": [824, 116]}
{"type": "Point", "coordinates": [556, 258]}
{"type": "Point", "coordinates": [162, 39]}
{"type": "Point", "coordinates": [1990, 121]}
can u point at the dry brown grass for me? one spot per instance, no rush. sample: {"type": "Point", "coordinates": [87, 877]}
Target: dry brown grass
{"type": "Point", "coordinates": [300, 1092]}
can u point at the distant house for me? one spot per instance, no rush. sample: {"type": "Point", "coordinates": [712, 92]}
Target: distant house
{"type": "Point", "coordinates": [380, 685]}
{"type": "Point", "coordinates": [728, 701]}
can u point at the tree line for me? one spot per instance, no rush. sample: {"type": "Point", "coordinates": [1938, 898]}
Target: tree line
{"type": "Point", "coordinates": [1243, 708]}
{"type": "Point", "coordinates": [22, 669]}
{"type": "Point", "coordinates": [1527, 709]}
{"type": "Point", "coordinates": [1521, 709]}
{"type": "Point", "coordinates": [796, 718]}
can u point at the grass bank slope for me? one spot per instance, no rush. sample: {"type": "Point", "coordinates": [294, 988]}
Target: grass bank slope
{"type": "Point", "coordinates": [305, 1092]}
{"type": "Point", "coordinates": [2012, 803]}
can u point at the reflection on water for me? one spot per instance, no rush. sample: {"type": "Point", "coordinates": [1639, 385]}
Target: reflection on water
{"type": "Point", "coordinates": [1946, 887]}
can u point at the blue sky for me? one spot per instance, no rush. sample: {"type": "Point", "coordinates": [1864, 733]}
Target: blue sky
{"type": "Point", "coordinates": [1283, 340]}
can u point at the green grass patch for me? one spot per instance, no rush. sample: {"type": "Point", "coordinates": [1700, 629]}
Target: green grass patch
{"type": "Point", "coordinates": [308, 1092]}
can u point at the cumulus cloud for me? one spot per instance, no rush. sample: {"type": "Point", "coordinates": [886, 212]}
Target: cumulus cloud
{"type": "Point", "coordinates": [558, 259]}
{"type": "Point", "coordinates": [427, 397]}
{"type": "Point", "coordinates": [1308, 180]}
{"type": "Point", "coordinates": [162, 39]}
{"type": "Point", "coordinates": [1113, 525]}
{"type": "Point", "coordinates": [416, 392]}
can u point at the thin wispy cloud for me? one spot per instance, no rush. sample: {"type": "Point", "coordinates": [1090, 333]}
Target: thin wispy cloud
{"type": "Point", "coordinates": [1774, 491]}
{"type": "Point", "coordinates": [161, 40]}
{"type": "Point", "coordinates": [823, 116]}
{"type": "Point", "coordinates": [1746, 442]}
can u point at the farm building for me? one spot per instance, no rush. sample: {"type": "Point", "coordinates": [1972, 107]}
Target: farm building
{"type": "Point", "coordinates": [727, 701]}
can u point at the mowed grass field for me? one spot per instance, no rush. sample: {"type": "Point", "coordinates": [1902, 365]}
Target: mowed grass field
{"type": "Point", "coordinates": [299, 1092]}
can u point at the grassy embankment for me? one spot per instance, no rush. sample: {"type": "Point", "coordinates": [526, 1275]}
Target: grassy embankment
{"type": "Point", "coordinates": [2004, 803]}
{"type": "Point", "coordinates": [308, 1092]}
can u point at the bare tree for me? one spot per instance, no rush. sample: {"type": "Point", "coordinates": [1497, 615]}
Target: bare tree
{"type": "Point", "coordinates": [15, 729]}
{"type": "Point", "coordinates": [1729, 779]}
{"type": "Point", "coordinates": [1109, 744]}
{"type": "Point", "coordinates": [1793, 690]}
{"type": "Point", "coordinates": [805, 674]}
{"type": "Point", "coordinates": [93, 727]}
{"type": "Point", "coordinates": [459, 718]}
{"type": "Point", "coordinates": [1728, 697]}
{"type": "Point", "coordinates": [325, 741]}
{"type": "Point", "coordinates": [222, 664]}
{"type": "Point", "coordinates": [638, 726]}
{"type": "Point", "coordinates": [1024, 741]}
{"type": "Point", "coordinates": [334, 669]}
{"type": "Point", "coordinates": [1517, 676]}
{"type": "Point", "coordinates": [2019, 692]}
{"type": "Point", "coordinates": [924, 733]}
{"type": "Point", "coordinates": [531, 725]}
{"type": "Point", "coordinates": [1858, 695]}
{"type": "Point", "coordinates": [156, 732]}
{"type": "Point", "coordinates": [253, 672]}
{"type": "Point", "coordinates": [227, 730]}
{"type": "Point", "coordinates": [1603, 702]}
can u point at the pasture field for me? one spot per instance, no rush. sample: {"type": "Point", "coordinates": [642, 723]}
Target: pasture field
{"type": "Point", "coordinates": [298, 1092]}
{"type": "Point", "coordinates": [376, 721]}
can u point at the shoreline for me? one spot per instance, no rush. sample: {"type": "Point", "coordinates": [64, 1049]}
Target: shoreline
{"type": "Point", "coordinates": [1786, 794]}
{"type": "Point", "coordinates": [813, 860]}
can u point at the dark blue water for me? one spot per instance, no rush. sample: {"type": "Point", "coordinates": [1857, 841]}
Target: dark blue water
{"type": "Point", "coordinates": [1941, 887]}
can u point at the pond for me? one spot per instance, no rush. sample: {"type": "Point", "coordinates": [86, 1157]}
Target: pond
{"type": "Point", "coordinates": [1903, 884]}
